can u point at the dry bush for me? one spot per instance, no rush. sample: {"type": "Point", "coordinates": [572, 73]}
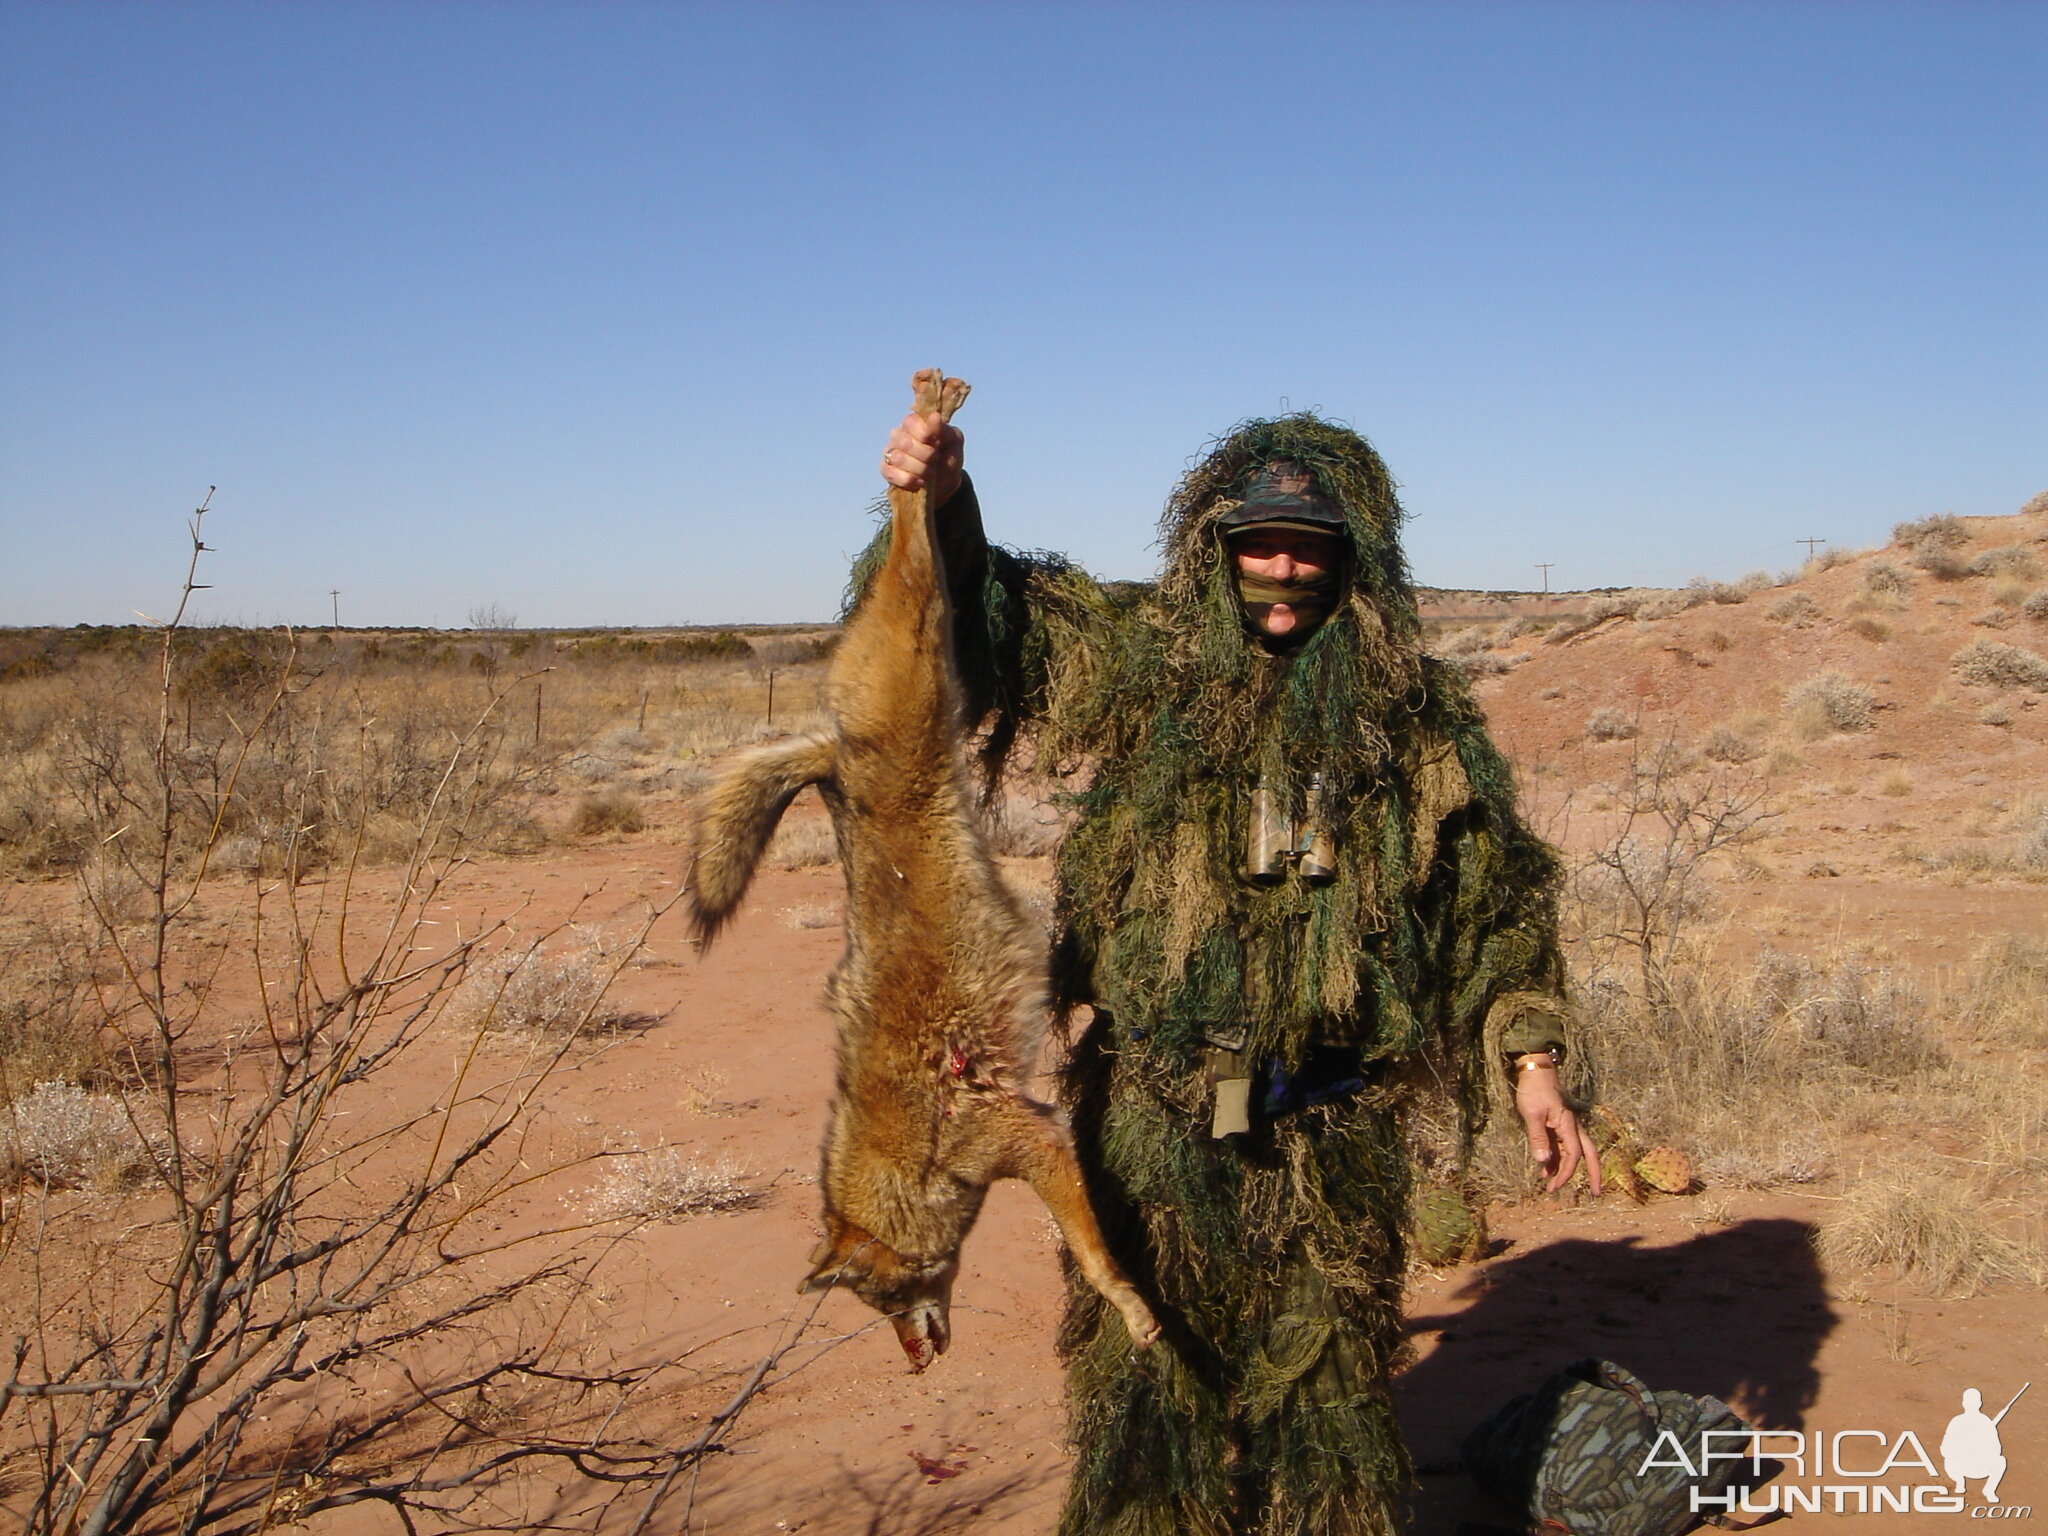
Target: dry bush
{"type": "Point", "coordinates": [59, 1134]}
{"type": "Point", "coordinates": [2035, 606]}
{"type": "Point", "coordinates": [1828, 559]}
{"type": "Point", "coordinates": [50, 974]}
{"type": "Point", "coordinates": [326, 1180]}
{"type": "Point", "coordinates": [663, 1185]}
{"type": "Point", "coordinates": [2014, 560]}
{"type": "Point", "coordinates": [1930, 1226]}
{"type": "Point", "coordinates": [1610, 724]}
{"type": "Point", "coordinates": [1794, 608]}
{"type": "Point", "coordinates": [1598, 610]}
{"type": "Point", "coordinates": [1941, 563]}
{"type": "Point", "coordinates": [2032, 852]}
{"type": "Point", "coordinates": [1993, 618]}
{"type": "Point", "coordinates": [1944, 530]}
{"type": "Point", "coordinates": [1705, 589]}
{"type": "Point", "coordinates": [1722, 745]}
{"type": "Point", "coordinates": [1514, 629]}
{"type": "Point", "coordinates": [814, 914]}
{"type": "Point", "coordinates": [1873, 630]}
{"type": "Point", "coordinates": [1827, 703]}
{"type": "Point", "coordinates": [803, 844]}
{"type": "Point", "coordinates": [1663, 605]}
{"type": "Point", "coordinates": [1994, 664]}
{"type": "Point", "coordinates": [1466, 642]}
{"type": "Point", "coordinates": [616, 811]}
{"type": "Point", "coordinates": [541, 988]}
{"type": "Point", "coordinates": [2035, 506]}
{"type": "Point", "coordinates": [1884, 577]}
{"type": "Point", "coordinates": [1997, 712]}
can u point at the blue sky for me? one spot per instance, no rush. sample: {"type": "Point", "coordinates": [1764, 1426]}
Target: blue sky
{"type": "Point", "coordinates": [600, 311]}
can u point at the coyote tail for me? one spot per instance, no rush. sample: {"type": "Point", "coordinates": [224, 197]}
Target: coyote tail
{"type": "Point", "coordinates": [736, 818]}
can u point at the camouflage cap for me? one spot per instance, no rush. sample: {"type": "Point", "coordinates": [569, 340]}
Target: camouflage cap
{"type": "Point", "coordinates": [1283, 492]}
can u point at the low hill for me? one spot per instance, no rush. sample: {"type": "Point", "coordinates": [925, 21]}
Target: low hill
{"type": "Point", "coordinates": [1896, 700]}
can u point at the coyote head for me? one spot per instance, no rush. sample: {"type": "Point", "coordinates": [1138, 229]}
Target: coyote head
{"type": "Point", "coordinates": [912, 1294]}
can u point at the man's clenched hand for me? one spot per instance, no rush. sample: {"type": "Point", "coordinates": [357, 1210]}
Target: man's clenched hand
{"type": "Point", "coordinates": [924, 454]}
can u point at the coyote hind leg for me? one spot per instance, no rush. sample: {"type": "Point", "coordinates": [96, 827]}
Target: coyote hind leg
{"type": "Point", "coordinates": [1040, 1154]}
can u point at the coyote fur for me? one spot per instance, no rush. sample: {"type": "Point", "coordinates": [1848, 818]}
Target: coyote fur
{"type": "Point", "coordinates": [941, 992]}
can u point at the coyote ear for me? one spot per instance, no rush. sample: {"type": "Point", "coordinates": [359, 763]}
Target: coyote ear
{"type": "Point", "coordinates": [832, 1260]}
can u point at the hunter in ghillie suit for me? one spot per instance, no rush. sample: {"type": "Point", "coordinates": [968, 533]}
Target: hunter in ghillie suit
{"type": "Point", "coordinates": [1310, 940]}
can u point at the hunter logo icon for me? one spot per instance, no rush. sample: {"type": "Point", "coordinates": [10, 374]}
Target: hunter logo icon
{"type": "Point", "coordinates": [1970, 1447]}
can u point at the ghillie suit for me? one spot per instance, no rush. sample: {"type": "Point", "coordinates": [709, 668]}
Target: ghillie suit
{"type": "Point", "coordinates": [941, 992]}
{"type": "Point", "coordinates": [1296, 885]}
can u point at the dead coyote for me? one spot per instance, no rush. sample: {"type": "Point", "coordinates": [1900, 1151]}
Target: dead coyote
{"type": "Point", "coordinates": [941, 992]}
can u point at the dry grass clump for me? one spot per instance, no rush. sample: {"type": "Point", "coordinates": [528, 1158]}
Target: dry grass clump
{"type": "Point", "coordinates": [1794, 608]}
{"type": "Point", "coordinates": [806, 843]}
{"type": "Point", "coordinates": [813, 914]}
{"type": "Point", "coordinates": [1466, 642]}
{"type": "Point", "coordinates": [664, 1185]}
{"type": "Point", "coordinates": [1883, 577]}
{"type": "Point", "coordinates": [1602, 606]}
{"type": "Point", "coordinates": [1930, 1226]}
{"type": "Point", "coordinates": [2014, 560]}
{"type": "Point", "coordinates": [1993, 618]}
{"type": "Point", "coordinates": [1942, 531]}
{"type": "Point", "coordinates": [2035, 606]}
{"type": "Point", "coordinates": [61, 1134]}
{"type": "Point", "coordinates": [1610, 724]}
{"type": "Point", "coordinates": [1829, 703]}
{"type": "Point", "coordinates": [1996, 713]}
{"type": "Point", "coordinates": [2002, 996]}
{"type": "Point", "coordinates": [2032, 852]}
{"type": "Point", "coordinates": [1871, 629]}
{"type": "Point", "coordinates": [613, 811]}
{"type": "Point", "coordinates": [1940, 563]}
{"type": "Point", "coordinates": [537, 990]}
{"type": "Point", "coordinates": [48, 1007]}
{"type": "Point", "coordinates": [1705, 589]}
{"type": "Point", "coordinates": [1994, 664]}
{"type": "Point", "coordinates": [1722, 745]}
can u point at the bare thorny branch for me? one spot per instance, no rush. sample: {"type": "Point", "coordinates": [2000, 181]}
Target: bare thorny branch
{"type": "Point", "coordinates": [269, 1271]}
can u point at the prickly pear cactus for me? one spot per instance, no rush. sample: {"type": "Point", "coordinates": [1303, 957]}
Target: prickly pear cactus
{"type": "Point", "coordinates": [1666, 1169]}
{"type": "Point", "coordinates": [1446, 1231]}
{"type": "Point", "coordinates": [1617, 1145]}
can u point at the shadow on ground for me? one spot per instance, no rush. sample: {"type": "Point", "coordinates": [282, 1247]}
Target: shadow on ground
{"type": "Point", "coordinates": [1739, 1314]}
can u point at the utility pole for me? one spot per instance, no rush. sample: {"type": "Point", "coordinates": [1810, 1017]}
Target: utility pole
{"type": "Point", "coordinates": [335, 593]}
{"type": "Point", "coordinates": [1809, 543]}
{"type": "Point", "coordinates": [1544, 567]}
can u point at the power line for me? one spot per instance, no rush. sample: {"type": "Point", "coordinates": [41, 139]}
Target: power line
{"type": "Point", "coordinates": [1544, 566]}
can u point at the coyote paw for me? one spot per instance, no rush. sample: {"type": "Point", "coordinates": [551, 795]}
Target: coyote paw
{"type": "Point", "coordinates": [1139, 1322]}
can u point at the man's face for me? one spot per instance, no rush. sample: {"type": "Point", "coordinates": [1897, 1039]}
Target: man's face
{"type": "Point", "coordinates": [1283, 555]}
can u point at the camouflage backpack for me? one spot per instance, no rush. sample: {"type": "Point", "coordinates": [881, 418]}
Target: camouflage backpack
{"type": "Point", "coordinates": [1569, 1456]}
